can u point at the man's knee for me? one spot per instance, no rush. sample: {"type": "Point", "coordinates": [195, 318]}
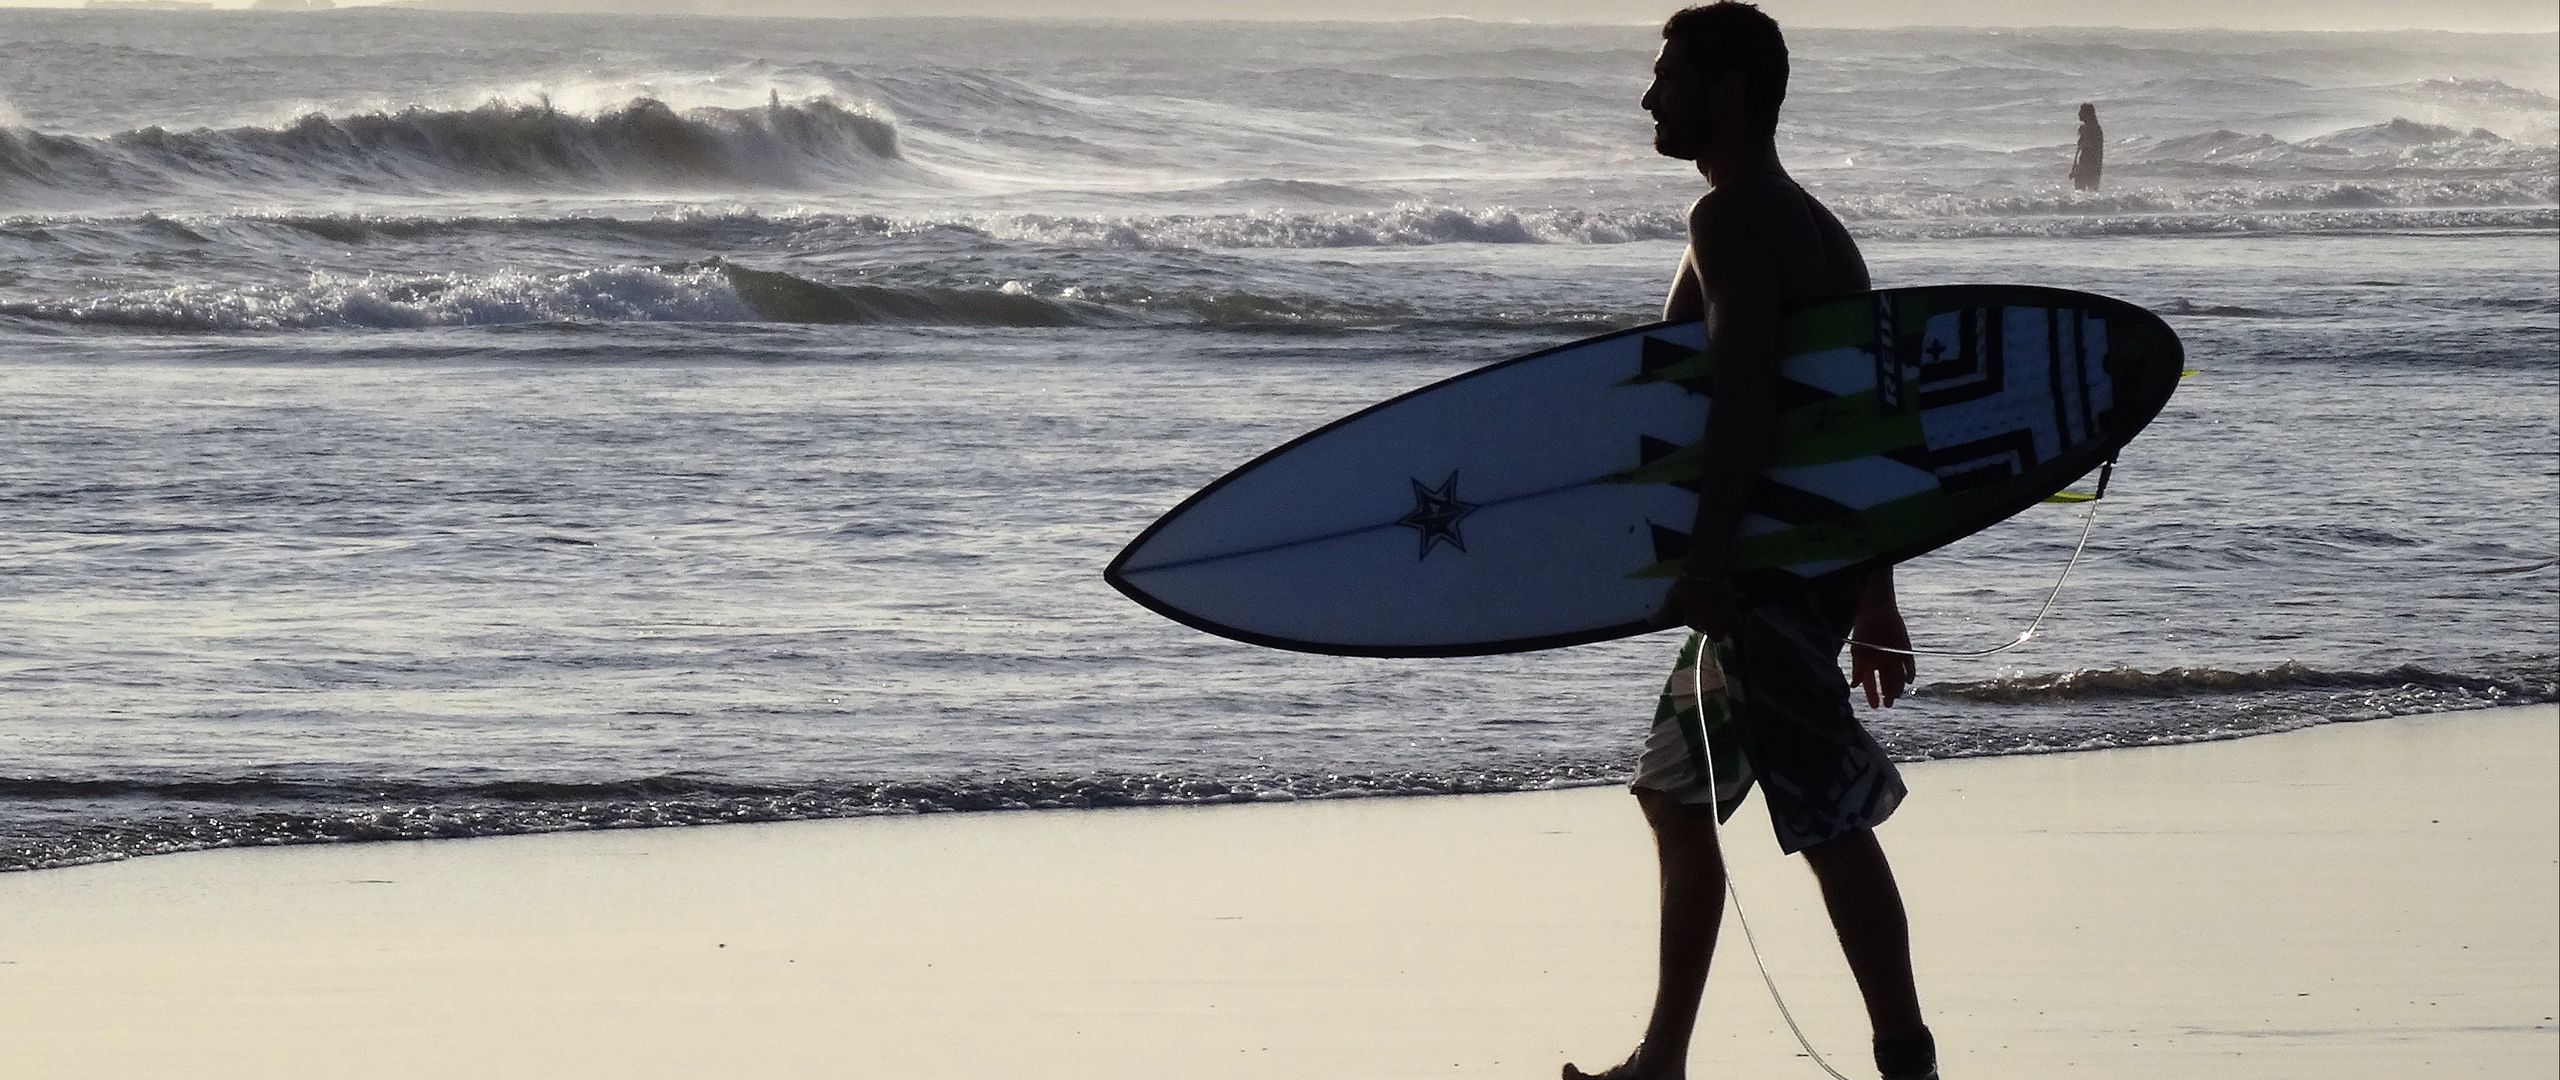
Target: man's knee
{"type": "Point", "coordinates": [1676, 823]}
{"type": "Point", "coordinates": [1851, 853]}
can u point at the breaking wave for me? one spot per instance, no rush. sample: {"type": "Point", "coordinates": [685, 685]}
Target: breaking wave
{"type": "Point", "coordinates": [2396, 144]}
{"type": "Point", "coordinates": [718, 291]}
{"type": "Point", "coordinates": [2437, 689]}
{"type": "Point", "coordinates": [325, 301]}
{"type": "Point", "coordinates": [642, 144]}
{"type": "Point", "coordinates": [2293, 206]}
{"type": "Point", "coordinates": [709, 232]}
{"type": "Point", "coordinates": [1409, 225]}
{"type": "Point", "coordinates": [780, 297]}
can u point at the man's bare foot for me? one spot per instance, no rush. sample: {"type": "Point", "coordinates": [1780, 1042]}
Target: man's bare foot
{"type": "Point", "coordinates": [1634, 1068]}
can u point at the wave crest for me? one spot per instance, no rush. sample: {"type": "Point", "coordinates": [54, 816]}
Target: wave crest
{"type": "Point", "coordinates": [718, 291]}
{"type": "Point", "coordinates": [2130, 683]}
{"type": "Point", "coordinates": [2398, 150]}
{"type": "Point", "coordinates": [612, 294]}
{"type": "Point", "coordinates": [643, 143]}
{"type": "Point", "coordinates": [781, 297]}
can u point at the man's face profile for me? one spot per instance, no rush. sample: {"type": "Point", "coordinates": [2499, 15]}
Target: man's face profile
{"type": "Point", "coordinates": [1678, 100]}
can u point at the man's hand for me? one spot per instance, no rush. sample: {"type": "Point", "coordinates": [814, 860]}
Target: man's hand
{"type": "Point", "coordinates": [1884, 674]}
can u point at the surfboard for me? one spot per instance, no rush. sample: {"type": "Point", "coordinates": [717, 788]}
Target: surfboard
{"type": "Point", "coordinates": [1544, 501]}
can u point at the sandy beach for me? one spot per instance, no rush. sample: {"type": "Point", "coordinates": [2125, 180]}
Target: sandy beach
{"type": "Point", "coordinates": [2357, 900]}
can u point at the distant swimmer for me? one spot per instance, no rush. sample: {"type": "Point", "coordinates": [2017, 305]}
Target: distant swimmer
{"type": "Point", "coordinates": [2092, 156]}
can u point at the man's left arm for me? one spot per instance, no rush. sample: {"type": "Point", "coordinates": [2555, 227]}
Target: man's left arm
{"type": "Point", "coordinates": [1875, 636]}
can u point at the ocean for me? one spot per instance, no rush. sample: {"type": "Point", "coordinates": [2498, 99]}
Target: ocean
{"type": "Point", "coordinates": [421, 425]}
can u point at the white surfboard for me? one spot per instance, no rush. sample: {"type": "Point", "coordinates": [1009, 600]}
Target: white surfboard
{"type": "Point", "coordinates": [1544, 501]}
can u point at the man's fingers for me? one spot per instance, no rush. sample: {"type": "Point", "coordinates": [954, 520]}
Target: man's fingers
{"type": "Point", "coordinates": [1903, 672]}
{"type": "Point", "coordinates": [1884, 676]}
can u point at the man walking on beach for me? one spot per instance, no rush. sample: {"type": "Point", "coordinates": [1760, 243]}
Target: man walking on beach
{"type": "Point", "coordinates": [1758, 243]}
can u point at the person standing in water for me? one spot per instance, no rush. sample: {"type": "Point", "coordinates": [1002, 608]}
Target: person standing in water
{"type": "Point", "coordinates": [1758, 243]}
{"type": "Point", "coordinates": [2092, 155]}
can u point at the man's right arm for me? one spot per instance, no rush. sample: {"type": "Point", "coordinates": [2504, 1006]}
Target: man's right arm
{"type": "Point", "coordinates": [1688, 299]}
{"type": "Point", "coordinates": [1738, 275]}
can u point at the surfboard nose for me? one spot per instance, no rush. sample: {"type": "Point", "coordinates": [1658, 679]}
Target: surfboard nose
{"type": "Point", "coordinates": [2144, 359]}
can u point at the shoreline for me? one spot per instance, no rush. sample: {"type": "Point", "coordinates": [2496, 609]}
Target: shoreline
{"type": "Point", "coordinates": [1264, 797]}
{"type": "Point", "coordinates": [2373, 899]}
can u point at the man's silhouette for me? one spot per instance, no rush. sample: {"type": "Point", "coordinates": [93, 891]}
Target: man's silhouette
{"type": "Point", "coordinates": [1757, 243]}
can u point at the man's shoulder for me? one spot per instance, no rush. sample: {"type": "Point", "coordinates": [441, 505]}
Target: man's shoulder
{"type": "Point", "coordinates": [1705, 210]}
{"type": "Point", "coordinates": [1772, 223]}
{"type": "Point", "coordinates": [1753, 202]}
{"type": "Point", "coordinates": [1746, 193]}
{"type": "Point", "coordinates": [1757, 209]}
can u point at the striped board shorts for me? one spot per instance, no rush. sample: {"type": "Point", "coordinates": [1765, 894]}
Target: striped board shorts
{"type": "Point", "coordinates": [1777, 713]}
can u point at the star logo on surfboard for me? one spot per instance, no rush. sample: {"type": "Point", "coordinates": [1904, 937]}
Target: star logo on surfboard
{"type": "Point", "coordinates": [1436, 514]}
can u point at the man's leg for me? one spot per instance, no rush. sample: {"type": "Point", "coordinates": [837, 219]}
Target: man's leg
{"type": "Point", "coordinates": [1875, 935]}
{"type": "Point", "coordinates": [1684, 842]}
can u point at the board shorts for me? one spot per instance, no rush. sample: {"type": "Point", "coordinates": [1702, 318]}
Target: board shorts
{"type": "Point", "coordinates": [1781, 717]}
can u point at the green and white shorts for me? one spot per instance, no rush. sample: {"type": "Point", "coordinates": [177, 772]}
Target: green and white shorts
{"type": "Point", "coordinates": [1776, 712]}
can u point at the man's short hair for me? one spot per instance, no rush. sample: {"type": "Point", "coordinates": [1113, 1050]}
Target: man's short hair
{"type": "Point", "coordinates": [1732, 36]}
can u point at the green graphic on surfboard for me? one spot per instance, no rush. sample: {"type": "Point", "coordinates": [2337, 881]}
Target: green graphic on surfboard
{"type": "Point", "coordinates": [1543, 501]}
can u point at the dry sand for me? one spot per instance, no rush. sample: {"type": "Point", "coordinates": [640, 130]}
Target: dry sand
{"type": "Point", "coordinates": [2355, 901]}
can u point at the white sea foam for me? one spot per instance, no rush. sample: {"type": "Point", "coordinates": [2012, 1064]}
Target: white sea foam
{"type": "Point", "coordinates": [642, 144]}
{"type": "Point", "coordinates": [616, 294]}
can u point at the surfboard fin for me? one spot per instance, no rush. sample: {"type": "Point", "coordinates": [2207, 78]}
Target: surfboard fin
{"type": "Point", "coordinates": [1663, 462]}
{"type": "Point", "coordinates": [1667, 361]}
{"type": "Point", "coordinates": [2106, 471]}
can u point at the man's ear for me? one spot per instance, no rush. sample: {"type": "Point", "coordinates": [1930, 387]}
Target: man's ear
{"type": "Point", "coordinates": [1726, 92]}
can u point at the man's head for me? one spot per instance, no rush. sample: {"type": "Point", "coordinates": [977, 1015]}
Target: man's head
{"type": "Point", "coordinates": [2088, 113]}
{"type": "Point", "coordinates": [1721, 75]}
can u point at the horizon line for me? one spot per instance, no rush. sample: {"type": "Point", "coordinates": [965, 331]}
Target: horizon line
{"type": "Point", "coordinates": [432, 7]}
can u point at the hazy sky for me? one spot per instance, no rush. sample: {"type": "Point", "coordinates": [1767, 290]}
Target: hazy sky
{"type": "Point", "coordinates": [2508, 15]}
{"type": "Point", "coordinates": [2246, 14]}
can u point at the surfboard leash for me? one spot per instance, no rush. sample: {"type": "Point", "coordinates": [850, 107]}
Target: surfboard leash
{"type": "Point", "coordinates": [1698, 687]}
{"type": "Point", "coordinates": [1733, 893]}
{"type": "Point", "coordinates": [2088, 524]}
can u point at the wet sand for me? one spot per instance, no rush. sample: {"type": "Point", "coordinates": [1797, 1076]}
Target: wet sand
{"type": "Point", "coordinates": [2354, 901]}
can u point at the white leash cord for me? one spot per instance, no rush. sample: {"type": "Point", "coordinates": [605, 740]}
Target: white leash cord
{"type": "Point", "coordinates": [1715, 827]}
{"type": "Point", "coordinates": [1697, 674]}
{"type": "Point", "coordinates": [2087, 524]}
